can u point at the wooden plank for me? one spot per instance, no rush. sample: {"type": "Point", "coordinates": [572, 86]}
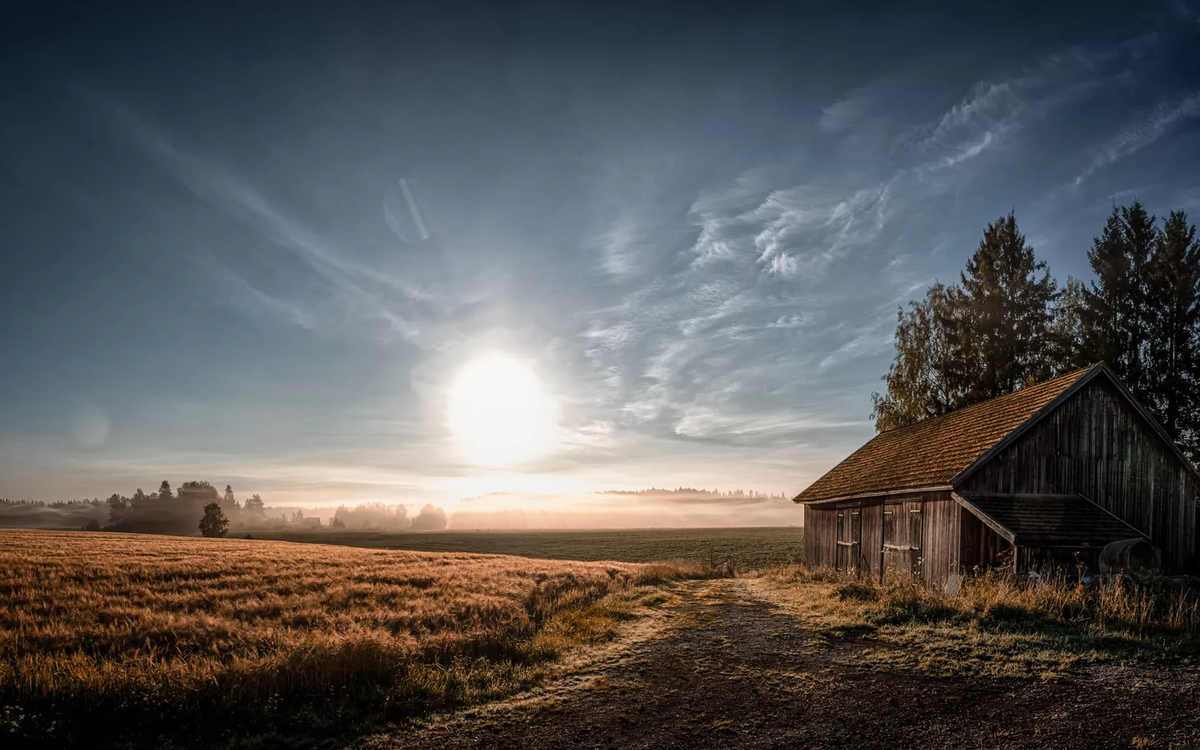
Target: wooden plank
{"type": "Point", "coordinates": [871, 536]}
{"type": "Point", "coordinates": [1096, 444]}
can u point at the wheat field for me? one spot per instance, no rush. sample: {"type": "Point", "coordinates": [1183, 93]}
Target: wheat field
{"type": "Point", "coordinates": [134, 635]}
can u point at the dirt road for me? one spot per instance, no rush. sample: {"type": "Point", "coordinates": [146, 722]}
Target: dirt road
{"type": "Point", "coordinates": [724, 668]}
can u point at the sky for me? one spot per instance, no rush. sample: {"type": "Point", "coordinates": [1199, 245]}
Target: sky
{"type": "Point", "coordinates": [265, 245]}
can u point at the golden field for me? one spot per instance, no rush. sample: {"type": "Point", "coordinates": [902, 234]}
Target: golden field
{"type": "Point", "coordinates": [133, 635]}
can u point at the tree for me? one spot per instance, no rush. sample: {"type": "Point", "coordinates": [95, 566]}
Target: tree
{"type": "Point", "coordinates": [229, 501]}
{"type": "Point", "coordinates": [1116, 310]}
{"type": "Point", "coordinates": [990, 336]}
{"type": "Point", "coordinates": [139, 498]}
{"type": "Point", "coordinates": [214, 522]}
{"type": "Point", "coordinates": [118, 507]}
{"type": "Point", "coordinates": [1172, 355]}
{"type": "Point", "coordinates": [164, 491]}
{"type": "Point", "coordinates": [431, 518]}
{"type": "Point", "coordinates": [255, 505]}
{"type": "Point", "coordinates": [91, 525]}
{"type": "Point", "coordinates": [916, 384]}
{"type": "Point", "coordinates": [998, 323]}
{"type": "Point", "coordinates": [1067, 328]}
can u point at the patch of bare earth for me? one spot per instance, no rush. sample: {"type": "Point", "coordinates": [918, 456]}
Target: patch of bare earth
{"type": "Point", "coordinates": [722, 666]}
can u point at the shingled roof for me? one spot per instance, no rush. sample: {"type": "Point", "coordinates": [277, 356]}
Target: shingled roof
{"type": "Point", "coordinates": [1048, 520]}
{"type": "Point", "coordinates": [931, 453]}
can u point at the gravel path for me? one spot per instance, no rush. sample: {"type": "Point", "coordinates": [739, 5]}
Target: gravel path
{"type": "Point", "coordinates": [724, 668]}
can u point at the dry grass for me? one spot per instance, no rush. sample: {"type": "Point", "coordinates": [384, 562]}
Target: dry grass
{"type": "Point", "coordinates": [169, 637]}
{"type": "Point", "coordinates": [996, 625]}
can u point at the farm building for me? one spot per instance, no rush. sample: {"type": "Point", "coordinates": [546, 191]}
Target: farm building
{"type": "Point", "coordinates": [1049, 474]}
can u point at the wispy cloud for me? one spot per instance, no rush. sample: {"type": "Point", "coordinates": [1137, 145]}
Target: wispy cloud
{"type": "Point", "coordinates": [234, 290]}
{"type": "Point", "coordinates": [771, 308]}
{"type": "Point", "coordinates": [1143, 133]}
{"type": "Point", "coordinates": [361, 289]}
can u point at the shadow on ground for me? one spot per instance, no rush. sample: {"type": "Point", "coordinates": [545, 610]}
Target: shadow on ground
{"type": "Point", "coordinates": [727, 669]}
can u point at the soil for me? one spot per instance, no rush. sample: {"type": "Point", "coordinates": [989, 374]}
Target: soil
{"type": "Point", "coordinates": [725, 668]}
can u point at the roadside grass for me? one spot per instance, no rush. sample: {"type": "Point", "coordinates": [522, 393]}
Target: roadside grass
{"type": "Point", "coordinates": [170, 642]}
{"type": "Point", "coordinates": [996, 625]}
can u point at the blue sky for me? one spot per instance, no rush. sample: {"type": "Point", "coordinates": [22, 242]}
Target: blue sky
{"type": "Point", "coordinates": [694, 226]}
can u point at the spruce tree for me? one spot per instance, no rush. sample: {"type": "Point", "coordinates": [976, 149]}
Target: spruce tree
{"type": "Point", "coordinates": [1172, 356]}
{"type": "Point", "coordinates": [999, 322]}
{"type": "Point", "coordinates": [1068, 327]}
{"type": "Point", "coordinates": [1004, 327]}
{"type": "Point", "coordinates": [1117, 312]}
{"type": "Point", "coordinates": [164, 491]}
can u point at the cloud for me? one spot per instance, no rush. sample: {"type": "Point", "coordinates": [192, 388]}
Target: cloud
{"type": "Point", "coordinates": [234, 290]}
{"type": "Point", "coordinates": [1145, 132]}
{"type": "Point", "coordinates": [361, 289]}
{"type": "Point", "coordinates": [747, 342]}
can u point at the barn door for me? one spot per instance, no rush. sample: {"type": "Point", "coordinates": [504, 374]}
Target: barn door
{"type": "Point", "coordinates": [902, 534]}
{"type": "Point", "coordinates": [849, 527]}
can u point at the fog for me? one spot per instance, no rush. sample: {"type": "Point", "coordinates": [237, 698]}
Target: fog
{"type": "Point", "coordinates": [180, 513]}
{"type": "Point", "coordinates": [618, 510]}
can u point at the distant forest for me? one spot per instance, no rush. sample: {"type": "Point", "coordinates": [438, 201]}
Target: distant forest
{"type": "Point", "coordinates": [198, 506]}
{"type": "Point", "coordinates": [1008, 323]}
{"type": "Point", "coordinates": [693, 492]}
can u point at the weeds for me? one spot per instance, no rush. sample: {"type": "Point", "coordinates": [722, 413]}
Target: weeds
{"type": "Point", "coordinates": [998, 624]}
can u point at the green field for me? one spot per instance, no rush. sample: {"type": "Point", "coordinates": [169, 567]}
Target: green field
{"type": "Point", "coordinates": [744, 548]}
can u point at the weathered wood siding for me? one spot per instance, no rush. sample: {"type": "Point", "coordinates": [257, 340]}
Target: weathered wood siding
{"type": "Point", "coordinates": [820, 537]}
{"type": "Point", "coordinates": [903, 530]}
{"type": "Point", "coordinates": [912, 535]}
{"type": "Point", "coordinates": [1097, 445]}
{"type": "Point", "coordinates": [872, 539]}
{"type": "Point", "coordinates": [941, 540]}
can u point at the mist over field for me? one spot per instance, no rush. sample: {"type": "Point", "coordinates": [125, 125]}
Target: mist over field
{"type": "Point", "coordinates": [623, 510]}
{"type": "Point", "coordinates": [653, 508]}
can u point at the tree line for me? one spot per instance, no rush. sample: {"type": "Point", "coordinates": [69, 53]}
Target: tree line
{"type": "Point", "coordinates": [1008, 324]}
{"type": "Point", "coordinates": [198, 505]}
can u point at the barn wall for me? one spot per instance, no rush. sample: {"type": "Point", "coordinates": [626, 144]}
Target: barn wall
{"type": "Point", "coordinates": [940, 544]}
{"type": "Point", "coordinates": [1097, 445]}
{"type": "Point", "coordinates": [820, 537]}
{"type": "Point", "coordinates": [872, 539]}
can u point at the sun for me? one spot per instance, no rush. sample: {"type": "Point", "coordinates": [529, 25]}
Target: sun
{"type": "Point", "coordinates": [499, 413]}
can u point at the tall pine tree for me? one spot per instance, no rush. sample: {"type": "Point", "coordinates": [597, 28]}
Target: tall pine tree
{"type": "Point", "coordinates": [1172, 354]}
{"type": "Point", "coordinates": [1117, 312]}
{"type": "Point", "coordinates": [1001, 329]}
{"type": "Point", "coordinates": [1001, 317]}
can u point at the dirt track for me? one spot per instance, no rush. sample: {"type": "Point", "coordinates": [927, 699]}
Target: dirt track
{"type": "Point", "coordinates": [725, 668]}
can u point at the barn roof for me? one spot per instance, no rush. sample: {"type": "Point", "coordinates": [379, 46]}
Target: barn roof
{"type": "Point", "coordinates": [1048, 520]}
{"type": "Point", "coordinates": [933, 452]}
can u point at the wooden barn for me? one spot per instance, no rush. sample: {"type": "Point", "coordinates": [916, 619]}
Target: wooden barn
{"type": "Point", "coordinates": [1051, 473]}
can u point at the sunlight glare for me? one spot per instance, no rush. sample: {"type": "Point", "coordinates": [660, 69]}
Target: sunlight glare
{"type": "Point", "coordinates": [499, 412]}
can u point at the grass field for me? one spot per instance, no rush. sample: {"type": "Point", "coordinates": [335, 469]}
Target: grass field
{"type": "Point", "coordinates": [742, 549]}
{"type": "Point", "coordinates": [162, 640]}
{"type": "Point", "coordinates": [997, 625]}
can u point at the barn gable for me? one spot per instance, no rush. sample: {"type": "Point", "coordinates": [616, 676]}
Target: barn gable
{"type": "Point", "coordinates": [1049, 473]}
{"type": "Point", "coordinates": [930, 454]}
{"type": "Point", "coordinates": [1099, 443]}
